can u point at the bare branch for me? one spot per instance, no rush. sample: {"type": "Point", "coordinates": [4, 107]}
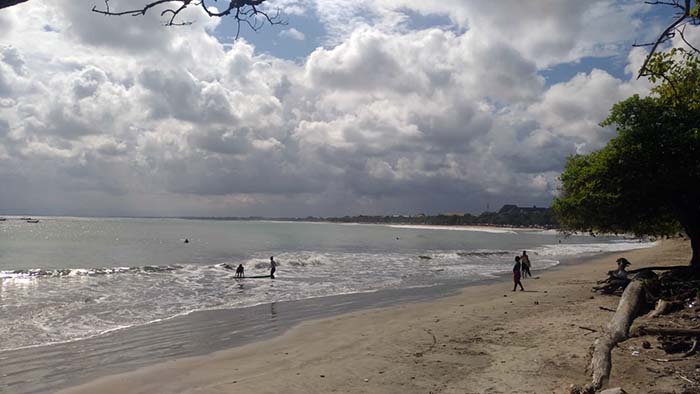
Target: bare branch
{"type": "Point", "coordinates": [136, 12]}
{"type": "Point", "coordinates": [681, 32]}
{"type": "Point", "coordinates": [10, 3]}
{"type": "Point", "coordinates": [670, 31]}
{"type": "Point", "coordinates": [243, 11]}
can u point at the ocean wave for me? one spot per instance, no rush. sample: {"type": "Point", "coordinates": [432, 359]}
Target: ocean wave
{"type": "Point", "coordinates": [72, 272]}
{"type": "Point", "coordinates": [109, 299]}
{"type": "Point", "coordinates": [588, 248]}
{"type": "Point", "coordinates": [482, 229]}
{"type": "Point", "coordinates": [484, 253]}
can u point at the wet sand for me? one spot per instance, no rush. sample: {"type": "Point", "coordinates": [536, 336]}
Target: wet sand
{"type": "Point", "coordinates": [486, 339]}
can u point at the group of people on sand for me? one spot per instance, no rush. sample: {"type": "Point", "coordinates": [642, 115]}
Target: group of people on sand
{"type": "Point", "coordinates": [240, 270]}
{"type": "Point", "coordinates": [521, 269]}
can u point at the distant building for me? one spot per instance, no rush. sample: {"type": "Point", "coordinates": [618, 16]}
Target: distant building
{"type": "Point", "coordinates": [452, 214]}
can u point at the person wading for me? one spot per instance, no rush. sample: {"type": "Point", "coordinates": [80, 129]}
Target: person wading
{"type": "Point", "coordinates": [525, 262]}
{"type": "Point", "coordinates": [273, 267]}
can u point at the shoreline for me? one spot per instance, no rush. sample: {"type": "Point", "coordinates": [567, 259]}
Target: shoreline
{"type": "Point", "coordinates": [484, 339]}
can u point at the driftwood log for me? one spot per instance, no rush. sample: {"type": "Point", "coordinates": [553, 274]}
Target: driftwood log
{"type": "Point", "coordinates": [665, 331]}
{"type": "Point", "coordinates": [616, 331]}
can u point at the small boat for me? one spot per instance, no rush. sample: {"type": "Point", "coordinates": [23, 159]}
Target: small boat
{"type": "Point", "coordinates": [33, 221]}
{"type": "Point", "coordinates": [25, 218]}
{"type": "Point", "coordinates": [2, 219]}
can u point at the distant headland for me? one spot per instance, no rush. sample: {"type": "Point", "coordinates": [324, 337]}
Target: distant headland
{"type": "Point", "coordinates": [508, 216]}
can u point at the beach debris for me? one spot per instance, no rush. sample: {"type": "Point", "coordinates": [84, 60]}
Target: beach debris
{"type": "Point", "coordinates": [432, 345]}
{"type": "Point", "coordinates": [587, 328]}
{"type": "Point", "coordinates": [636, 353]}
{"type": "Point", "coordinates": [617, 331]}
{"type": "Point", "coordinates": [323, 376]}
{"type": "Point", "coordinates": [665, 331]}
{"type": "Point", "coordinates": [646, 345]}
{"type": "Point", "coordinates": [616, 390]}
{"type": "Point", "coordinates": [606, 309]}
{"type": "Point", "coordinates": [667, 360]}
{"type": "Point", "coordinates": [686, 379]}
{"type": "Point", "coordinates": [679, 345]}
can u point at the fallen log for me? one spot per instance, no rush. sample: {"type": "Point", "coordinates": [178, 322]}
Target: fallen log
{"type": "Point", "coordinates": [669, 332]}
{"type": "Point", "coordinates": [658, 268]}
{"type": "Point", "coordinates": [616, 331]}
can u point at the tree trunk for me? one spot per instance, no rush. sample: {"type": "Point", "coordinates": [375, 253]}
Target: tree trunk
{"type": "Point", "coordinates": [695, 244]}
{"type": "Point", "coordinates": [690, 220]}
{"type": "Point", "coordinates": [10, 3]}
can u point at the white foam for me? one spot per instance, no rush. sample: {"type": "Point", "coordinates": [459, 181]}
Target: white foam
{"type": "Point", "coordinates": [144, 298]}
{"type": "Point", "coordinates": [576, 249]}
{"type": "Point", "coordinates": [481, 229]}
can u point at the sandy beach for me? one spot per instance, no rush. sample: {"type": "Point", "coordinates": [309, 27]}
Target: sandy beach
{"type": "Point", "coordinates": [487, 339]}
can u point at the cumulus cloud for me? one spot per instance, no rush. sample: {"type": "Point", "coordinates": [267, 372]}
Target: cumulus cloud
{"type": "Point", "coordinates": [124, 116]}
{"type": "Point", "coordinates": [293, 33]}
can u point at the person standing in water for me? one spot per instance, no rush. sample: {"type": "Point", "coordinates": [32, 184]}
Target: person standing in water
{"type": "Point", "coordinates": [273, 267]}
{"type": "Point", "coordinates": [239, 271]}
{"type": "Point", "coordinates": [516, 274]}
{"type": "Point", "coordinates": [525, 261]}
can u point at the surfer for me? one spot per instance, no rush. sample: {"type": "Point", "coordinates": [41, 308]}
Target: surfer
{"type": "Point", "coordinates": [273, 267]}
{"type": "Point", "coordinates": [187, 241]}
{"type": "Point", "coordinates": [516, 274]}
{"type": "Point", "coordinates": [239, 271]}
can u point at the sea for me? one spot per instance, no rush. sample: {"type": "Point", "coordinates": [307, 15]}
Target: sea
{"type": "Point", "coordinates": [67, 279]}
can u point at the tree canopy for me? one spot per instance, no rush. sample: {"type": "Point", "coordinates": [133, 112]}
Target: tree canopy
{"type": "Point", "coordinates": [647, 179]}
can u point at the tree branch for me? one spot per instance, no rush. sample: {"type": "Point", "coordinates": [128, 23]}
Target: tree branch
{"type": "Point", "coordinates": [243, 11]}
{"type": "Point", "coordinates": [669, 32]}
{"type": "Point", "coordinates": [10, 3]}
{"type": "Point", "coordinates": [681, 32]}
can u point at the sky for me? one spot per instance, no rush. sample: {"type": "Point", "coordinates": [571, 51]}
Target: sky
{"type": "Point", "coordinates": [352, 107]}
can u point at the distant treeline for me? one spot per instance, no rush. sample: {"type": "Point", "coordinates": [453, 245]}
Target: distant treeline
{"type": "Point", "coordinates": [508, 215]}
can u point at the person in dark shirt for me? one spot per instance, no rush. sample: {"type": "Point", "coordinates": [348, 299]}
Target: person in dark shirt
{"type": "Point", "coordinates": [239, 271]}
{"type": "Point", "coordinates": [516, 274]}
{"type": "Point", "coordinates": [273, 267]}
{"type": "Point", "coordinates": [525, 262]}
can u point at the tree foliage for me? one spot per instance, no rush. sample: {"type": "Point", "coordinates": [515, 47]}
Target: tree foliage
{"type": "Point", "coordinates": [647, 179]}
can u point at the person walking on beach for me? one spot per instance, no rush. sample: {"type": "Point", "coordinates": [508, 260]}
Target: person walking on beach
{"type": "Point", "coordinates": [273, 267]}
{"type": "Point", "coordinates": [516, 274]}
{"type": "Point", "coordinates": [525, 261]}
